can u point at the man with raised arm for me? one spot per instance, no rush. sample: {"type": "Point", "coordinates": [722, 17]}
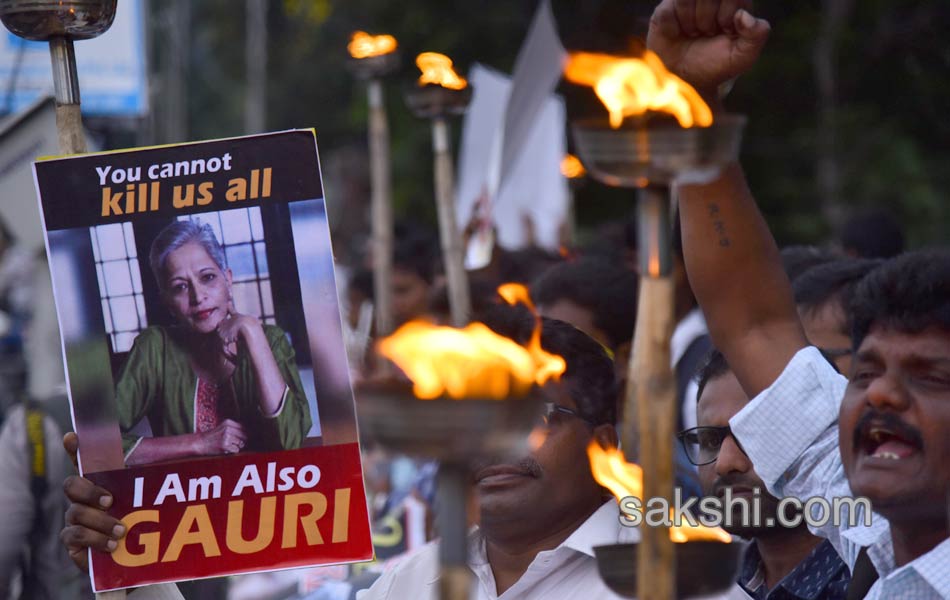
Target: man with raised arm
{"type": "Point", "coordinates": [809, 432]}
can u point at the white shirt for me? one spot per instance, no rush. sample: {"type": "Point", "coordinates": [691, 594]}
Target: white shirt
{"type": "Point", "coordinates": [790, 431]}
{"type": "Point", "coordinates": [568, 571]}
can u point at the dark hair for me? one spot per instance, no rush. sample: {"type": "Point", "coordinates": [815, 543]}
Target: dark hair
{"type": "Point", "coordinates": [416, 251]}
{"type": "Point", "coordinates": [608, 291]}
{"type": "Point", "coordinates": [909, 293]}
{"type": "Point", "coordinates": [362, 282]}
{"type": "Point", "coordinates": [873, 234]}
{"type": "Point", "coordinates": [522, 266]}
{"type": "Point", "coordinates": [631, 233]}
{"type": "Point", "coordinates": [589, 376]}
{"type": "Point", "coordinates": [796, 260]}
{"type": "Point", "coordinates": [832, 282]}
{"type": "Point", "coordinates": [482, 292]}
{"type": "Point", "coordinates": [714, 366]}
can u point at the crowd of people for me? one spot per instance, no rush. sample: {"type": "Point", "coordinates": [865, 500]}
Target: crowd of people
{"type": "Point", "coordinates": [801, 372]}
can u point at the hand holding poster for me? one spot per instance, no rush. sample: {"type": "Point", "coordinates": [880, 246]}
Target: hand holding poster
{"type": "Point", "coordinates": [208, 397]}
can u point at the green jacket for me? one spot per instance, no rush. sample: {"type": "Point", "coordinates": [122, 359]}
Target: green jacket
{"type": "Point", "coordinates": [157, 382]}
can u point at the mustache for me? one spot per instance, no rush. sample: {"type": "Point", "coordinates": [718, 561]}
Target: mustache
{"type": "Point", "coordinates": [526, 464]}
{"type": "Point", "coordinates": [888, 421]}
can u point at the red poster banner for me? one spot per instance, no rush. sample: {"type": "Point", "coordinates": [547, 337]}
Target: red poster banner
{"type": "Point", "coordinates": [257, 512]}
{"type": "Point", "coordinates": [207, 373]}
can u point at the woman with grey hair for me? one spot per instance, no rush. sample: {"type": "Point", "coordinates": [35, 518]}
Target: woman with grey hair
{"type": "Point", "coordinates": [218, 382]}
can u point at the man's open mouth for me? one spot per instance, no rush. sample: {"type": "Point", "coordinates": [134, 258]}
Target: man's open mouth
{"type": "Point", "coordinates": [887, 439]}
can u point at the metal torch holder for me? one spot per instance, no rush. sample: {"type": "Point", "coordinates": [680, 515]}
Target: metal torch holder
{"type": "Point", "coordinates": [649, 156]}
{"type": "Point", "coordinates": [374, 67]}
{"type": "Point", "coordinates": [59, 22]}
{"type": "Point", "coordinates": [702, 568]}
{"type": "Point", "coordinates": [437, 104]}
{"type": "Point", "coordinates": [456, 433]}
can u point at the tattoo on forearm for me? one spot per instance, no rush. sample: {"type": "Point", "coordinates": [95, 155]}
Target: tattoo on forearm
{"type": "Point", "coordinates": [718, 224]}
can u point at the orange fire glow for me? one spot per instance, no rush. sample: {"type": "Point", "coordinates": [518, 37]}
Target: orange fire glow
{"type": "Point", "coordinates": [536, 438]}
{"type": "Point", "coordinates": [571, 167]}
{"type": "Point", "coordinates": [513, 293]}
{"type": "Point", "coordinates": [437, 69]}
{"type": "Point", "coordinates": [550, 366]}
{"type": "Point", "coordinates": [631, 86]}
{"type": "Point", "coordinates": [364, 45]}
{"type": "Point", "coordinates": [624, 479]}
{"type": "Point", "coordinates": [472, 362]}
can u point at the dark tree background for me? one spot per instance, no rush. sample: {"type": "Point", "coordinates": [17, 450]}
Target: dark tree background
{"type": "Point", "coordinates": [846, 107]}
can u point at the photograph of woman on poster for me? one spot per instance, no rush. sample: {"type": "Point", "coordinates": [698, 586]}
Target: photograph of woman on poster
{"type": "Point", "coordinates": [217, 382]}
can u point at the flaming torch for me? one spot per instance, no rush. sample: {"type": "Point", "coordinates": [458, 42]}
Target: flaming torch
{"type": "Point", "coordinates": [59, 22]}
{"type": "Point", "coordinates": [373, 57]}
{"type": "Point", "coordinates": [707, 565]}
{"type": "Point", "coordinates": [659, 130]}
{"type": "Point", "coordinates": [472, 395]}
{"type": "Point", "coordinates": [438, 94]}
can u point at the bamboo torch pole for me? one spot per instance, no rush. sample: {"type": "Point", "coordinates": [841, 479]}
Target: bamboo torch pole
{"type": "Point", "coordinates": [651, 391]}
{"type": "Point", "coordinates": [381, 207]}
{"type": "Point", "coordinates": [451, 238]}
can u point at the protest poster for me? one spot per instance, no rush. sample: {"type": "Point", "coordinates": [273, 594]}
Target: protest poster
{"type": "Point", "coordinates": [207, 375]}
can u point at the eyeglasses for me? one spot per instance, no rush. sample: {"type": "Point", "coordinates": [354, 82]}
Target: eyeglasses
{"type": "Point", "coordinates": [552, 412]}
{"type": "Point", "coordinates": [702, 444]}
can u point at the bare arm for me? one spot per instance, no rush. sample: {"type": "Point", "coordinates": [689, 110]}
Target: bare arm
{"type": "Point", "coordinates": [227, 438]}
{"type": "Point", "coordinates": [735, 271]}
{"type": "Point", "coordinates": [731, 258]}
{"type": "Point", "coordinates": [270, 382]}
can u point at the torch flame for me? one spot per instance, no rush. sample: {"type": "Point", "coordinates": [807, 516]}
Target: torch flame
{"type": "Point", "coordinates": [572, 168]}
{"type": "Point", "coordinates": [514, 293]}
{"type": "Point", "coordinates": [631, 86]}
{"type": "Point", "coordinates": [472, 362]}
{"type": "Point", "coordinates": [437, 69]}
{"type": "Point", "coordinates": [624, 479]}
{"type": "Point", "coordinates": [364, 45]}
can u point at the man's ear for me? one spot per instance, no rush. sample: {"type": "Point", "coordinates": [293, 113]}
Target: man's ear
{"type": "Point", "coordinates": [606, 435]}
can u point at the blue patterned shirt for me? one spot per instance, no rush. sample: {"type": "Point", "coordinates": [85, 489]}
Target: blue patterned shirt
{"type": "Point", "coordinates": [822, 575]}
